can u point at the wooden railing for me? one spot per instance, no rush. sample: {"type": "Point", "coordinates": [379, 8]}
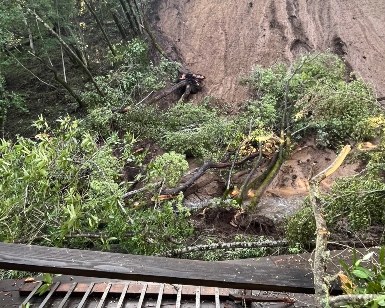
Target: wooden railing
{"type": "Point", "coordinates": [250, 274]}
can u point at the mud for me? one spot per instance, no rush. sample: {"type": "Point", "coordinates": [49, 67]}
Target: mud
{"type": "Point", "coordinates": [223, 39]}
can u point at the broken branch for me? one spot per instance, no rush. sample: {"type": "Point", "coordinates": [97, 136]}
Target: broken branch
{"type": "Point", "coordinates": [202, 170]}
{"type": "Point", "coordinates": [215, 246]}
{"type": "Point", "coordinates": [321, 284]}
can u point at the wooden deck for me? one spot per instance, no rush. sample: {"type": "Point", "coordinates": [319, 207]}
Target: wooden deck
{"type": "Point", "coordinates": [128, 294]}
{"type": "Point", "coordinates": [190, 283]}
{"type": "Point", "coordinates": [253, 275]}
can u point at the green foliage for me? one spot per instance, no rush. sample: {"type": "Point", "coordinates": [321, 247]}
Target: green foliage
{"type": "Point", "coordinates": [355, 200]}
{"type": "Point", "coordinates": [370, 128]}
{"type": "Point", "coordinates": [195, 130]}
{"type": "Point", "coordinates": [359, 198]}
{"type": "Point", "coordinates": [366, 276]}
{"type": "Point", "coordinates": [339, 110]}
{"type": "Point", "coordinates": [66, 183]}
{"type": "Point", "coordinates": [47, 283]}
{"type": "Point", "coordinates": [168, 168]}
{"type": "Point", "coordinates": [314, 95]}
{"type": "Point", "coordinates": [59, 184]}
{"type": "Point", "coordinates": [13, 274]}
{"type": "Point", "coordinates": [134, 76]}
{"type": "Point", "coordinates": [152, 230]}
{"type": "Point", "coordinates": [8, 100]}
{"type": "Point", "coordinates": [300, 228]}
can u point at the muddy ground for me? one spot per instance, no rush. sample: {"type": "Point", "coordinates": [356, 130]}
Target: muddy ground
{"type": "Point", "coordinates": [223, 39]}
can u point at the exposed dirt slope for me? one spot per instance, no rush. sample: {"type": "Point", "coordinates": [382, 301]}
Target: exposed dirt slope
{"type": "Point", "coordinates": [223, 39]}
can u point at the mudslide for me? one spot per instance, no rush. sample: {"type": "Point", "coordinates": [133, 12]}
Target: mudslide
{"type": "Point", "coordinates": [223, 39]}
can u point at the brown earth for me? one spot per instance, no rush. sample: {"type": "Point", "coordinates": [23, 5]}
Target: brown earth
{"type": "Point", "coordinates": [223, 39]}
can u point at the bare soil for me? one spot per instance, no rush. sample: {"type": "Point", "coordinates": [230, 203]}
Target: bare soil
{"type": "Point", "coordinates": [223, 39]}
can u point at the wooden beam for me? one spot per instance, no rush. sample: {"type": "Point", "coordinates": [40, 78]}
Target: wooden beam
{"type": "Point", "coordinates": [252, 276]}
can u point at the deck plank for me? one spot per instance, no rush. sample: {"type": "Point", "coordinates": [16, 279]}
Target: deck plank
{"type": "Point", "coordinates": [253, 276]}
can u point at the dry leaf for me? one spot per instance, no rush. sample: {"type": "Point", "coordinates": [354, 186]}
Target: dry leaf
{"type": "Point", "coordinates": [234, 193]}
{"type": "Point", "coordinates": [345, 282]}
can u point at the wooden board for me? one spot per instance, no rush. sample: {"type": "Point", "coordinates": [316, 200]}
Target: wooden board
{"type": "Point", "coordinates": [154, 269]}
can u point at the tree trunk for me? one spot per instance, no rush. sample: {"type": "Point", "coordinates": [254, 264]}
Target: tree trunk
{"type": "Point", "coordinates": [129, 17]}
{"type": "Point", "coordinates": [101, 27]}
{"type": "Point", "coordinates": [119, 25]}
{"type": "Point", "coordinates": [216, 246]}
{"type": "Point", "coordinates": [63, 82]}
{"type": "Point", "coordinates": [66, 47]}
{"type": "Point", "coordinates": [321, 283]}
{"type": "Point", "coordinates": [152, 37]}
{"type": "Point", "coordinates": [135, 16]}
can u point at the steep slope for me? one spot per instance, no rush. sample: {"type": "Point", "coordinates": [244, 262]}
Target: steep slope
{"type": "Point", "coordinates": [223, 39]}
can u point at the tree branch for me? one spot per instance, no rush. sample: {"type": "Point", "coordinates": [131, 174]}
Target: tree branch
{"type": "Point", "coordinates": [321, 285]}
{"type": "Point", "coordinates": [65, 45]}
{"type": "Point", "coordinates": [215, 246]}
{"type": "Point", "coordinates": [202, 170]}
{"type": "Point", "coordinates": [352, 299]}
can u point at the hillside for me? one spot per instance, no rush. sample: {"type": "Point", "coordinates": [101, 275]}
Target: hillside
{"type": "Point", "coordinates": [223, 41]}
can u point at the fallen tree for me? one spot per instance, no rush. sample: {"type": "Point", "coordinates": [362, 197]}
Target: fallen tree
{"type": "Point", "coordinates": [267, 243]}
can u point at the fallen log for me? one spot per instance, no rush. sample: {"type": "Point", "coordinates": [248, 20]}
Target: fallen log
{"type": "Point", "coordinates": [202, 170]}
{"type": "Point", "coordinates": [215, 246]}
{"type": "Point", "coordinates": [192, 82]}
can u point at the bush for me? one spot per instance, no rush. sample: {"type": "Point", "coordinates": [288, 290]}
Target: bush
{"type": "Point", "coordinates": [300, 228]}
{"type": "Point", "coordinates": [62, 182]}
{"type": "Point", "coordinates": [312, 93]}
{"type": "Point", "coordinates": [195, 130]}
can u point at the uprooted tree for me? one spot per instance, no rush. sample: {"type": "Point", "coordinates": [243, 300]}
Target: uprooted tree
{"type": "Point", "coordinates": [289, 102]}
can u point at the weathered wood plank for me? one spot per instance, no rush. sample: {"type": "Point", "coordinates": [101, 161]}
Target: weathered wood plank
{"type": "Point", "coordinates": [121, 299]}
{"type": "Point", "coordinates": [37, 286]}
{"type": "Point", "coordinates": [49, 295]}
{"type": "Point", "coordinates": [84, 299]}
{"type": "Point", "coordinates": [68, 294]}
{"type": "Point", "coordinates": [154, 269]}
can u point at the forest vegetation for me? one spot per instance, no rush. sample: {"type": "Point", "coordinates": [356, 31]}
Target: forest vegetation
{"type": "Point", "coordinates": [107, 166]}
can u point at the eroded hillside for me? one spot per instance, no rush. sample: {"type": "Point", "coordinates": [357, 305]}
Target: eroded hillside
{"type": "Point", "coordinates": [223, 39]}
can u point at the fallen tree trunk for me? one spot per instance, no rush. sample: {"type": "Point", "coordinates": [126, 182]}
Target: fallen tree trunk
{"type": "Point", "coordinates": [202, 170]}
{"type": "Point", "coordinates": [157, 97]}
{"type": "Point", "coordinates": [215, 246]}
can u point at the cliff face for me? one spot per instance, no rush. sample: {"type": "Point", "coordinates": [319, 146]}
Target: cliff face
{"type": "Point", "coordinates": [223, 39]}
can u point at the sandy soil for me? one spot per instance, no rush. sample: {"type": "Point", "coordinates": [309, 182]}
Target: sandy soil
{"type": "Point", "coordinates": [223, 39]}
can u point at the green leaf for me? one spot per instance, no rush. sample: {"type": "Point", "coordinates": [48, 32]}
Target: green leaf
{"type": "Point", "coordinates": [43, 289]}
{"type": "Point", "coordinates": [380, 300]}
{"type": "Point", "coordinates": [382, 256]}
{"type": "Point", "coordinates": [360, 274]}
{"type": "Point", "coordinates": [345, 267]}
